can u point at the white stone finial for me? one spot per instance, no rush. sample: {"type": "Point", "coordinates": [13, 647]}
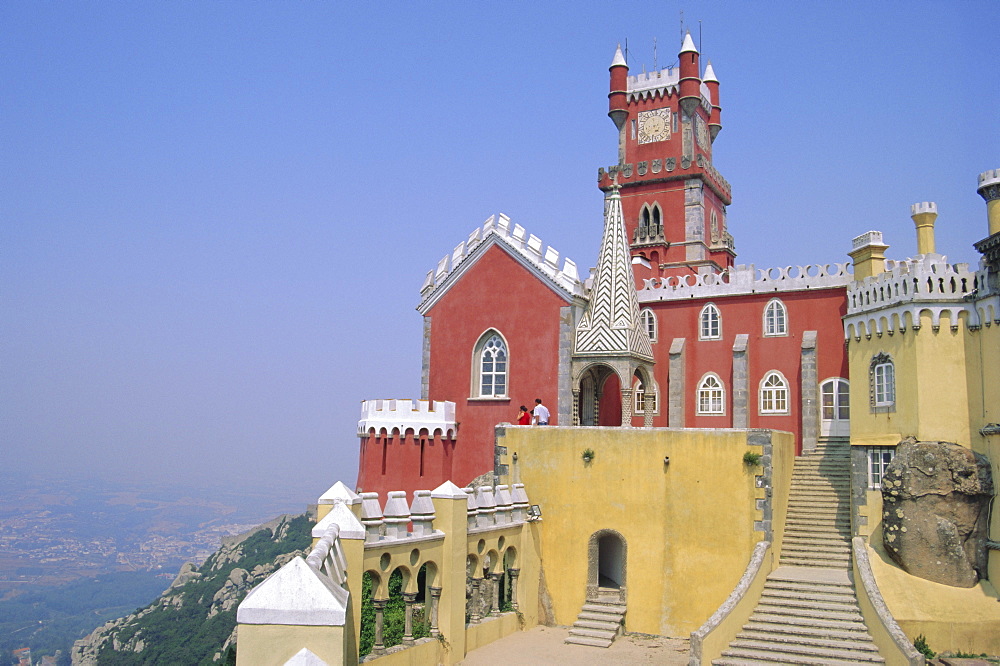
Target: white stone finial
{"type": "Point", "coordinates": [710, 74]}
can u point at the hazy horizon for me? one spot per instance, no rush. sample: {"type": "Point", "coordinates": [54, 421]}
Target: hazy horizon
{"type": "Point", "coordinates": [215, 219]}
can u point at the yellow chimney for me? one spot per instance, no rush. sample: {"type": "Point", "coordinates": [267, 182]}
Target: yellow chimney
{"type": "Point", "coordinates": [868, 255]}
{"type": "Point", "coordinates": [924, 214]}
{"type": "Point", "coordinates": [989, 189]}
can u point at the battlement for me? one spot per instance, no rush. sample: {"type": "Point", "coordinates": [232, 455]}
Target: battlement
{"type": "Point", "coordinates": [746, 280]}
{"type": "Point", "coordinates": [662, 83]}
{"type": "Point", "coordinates": [923, 207]}
{"type": "Point", "coordinates": [991, 177]}
{"type": "Point", "coordinates": [437, 417]}
{"type": "Point", "coordinates": [925, 277]}
{"type": "Point", "coordinates": [527, 246]}
{"type": "Point", "coordinates": [867, 238]}
{"type": "Point", "coordinates": [626, 172]}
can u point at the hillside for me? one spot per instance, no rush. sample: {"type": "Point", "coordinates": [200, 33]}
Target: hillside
{"type": "Point", "coordinates": [194, 620]}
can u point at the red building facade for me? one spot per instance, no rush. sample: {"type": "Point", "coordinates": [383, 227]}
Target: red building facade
{"type": "Point", "coordinates": [507, 320]}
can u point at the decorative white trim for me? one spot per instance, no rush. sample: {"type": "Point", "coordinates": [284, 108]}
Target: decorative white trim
{"type": "Point", "coordinates": [403, 415]}
{"type": "Point", "coordinates": [742, 279]}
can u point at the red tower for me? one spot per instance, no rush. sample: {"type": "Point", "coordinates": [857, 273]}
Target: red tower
{"type": "Point", "coordinates": [673, 199]}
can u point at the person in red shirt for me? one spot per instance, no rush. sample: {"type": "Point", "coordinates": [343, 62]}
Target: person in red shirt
{"type": "Point", "coordinates": [524, 416]}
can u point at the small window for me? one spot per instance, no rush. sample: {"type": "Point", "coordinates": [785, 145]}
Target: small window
{"type": "Point", "coordinates": [879, 458]}
{"type": "Point", "coordinates": [882, 383]}
{"type": "Point", "coordinates": [775, 318]}
{"type": "Point", "coordinates": [644, 400]}
{"type": "Point", "coordinates": [711, 395]}
{"type": "Point", "coordinates": [649, 323]}
{"type": "Point", "coordinates": [774, 394]}
{"type": "Point", "coordinates": [711, 323]}
{"type": "Point", "coordinates": [491, 366]}
{"type": "Point", "coordinates": [633, 124]}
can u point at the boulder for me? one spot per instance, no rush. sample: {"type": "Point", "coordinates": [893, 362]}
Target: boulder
{"type": "Point", "coordinates": [935, 505]}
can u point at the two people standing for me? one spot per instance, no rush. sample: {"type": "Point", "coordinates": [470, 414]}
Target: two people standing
{"type": "Point", "coordinates": [538, 416]}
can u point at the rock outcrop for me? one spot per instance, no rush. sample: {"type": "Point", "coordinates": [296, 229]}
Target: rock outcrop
{"type": "Point", "coordinates": [935, 499]}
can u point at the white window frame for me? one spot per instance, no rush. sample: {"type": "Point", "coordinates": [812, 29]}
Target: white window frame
{"type": "Point", "coordinates": [775, 319]}
{"type": "Point", "coordinates": [649, 323]}
{"type": "Point", "coordinates": [882, 383]}
{"type": "Point", "coordinates": [711, 400]}
{"type": "Point", "coordinates": [840, 388]}
{"type": "Point", "coordinates": [879, 458]}
{"type": "Point", "coordinates": [773, 395]}
{"type": "Point", "coordinates": [479, 370]}
{"type": "Point", "coordinates": [708, 316]}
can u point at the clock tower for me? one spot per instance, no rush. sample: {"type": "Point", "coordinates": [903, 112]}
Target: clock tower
{"type": "Point", "coordinates": [673, 199]}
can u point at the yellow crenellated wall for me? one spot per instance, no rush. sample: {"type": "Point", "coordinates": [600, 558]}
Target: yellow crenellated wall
{"type": "Point", "coordinates": [688, 524]}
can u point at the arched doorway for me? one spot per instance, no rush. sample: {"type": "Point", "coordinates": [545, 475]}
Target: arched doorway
{"type": "Point", "coordinates": [835, 419]}
{"type": "Point", "coordinates": [600, 397]}
{"type": "Point", "coordinates": [610, 412]}
{"type": "Point", "coordinates": [607, 566]}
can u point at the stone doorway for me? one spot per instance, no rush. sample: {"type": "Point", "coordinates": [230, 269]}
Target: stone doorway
{"type": "Point", "coordinates": [607, 560]}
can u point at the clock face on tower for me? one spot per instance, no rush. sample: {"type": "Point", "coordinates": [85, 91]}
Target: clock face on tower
{"type": "Point", "coordinates": [654, 125]}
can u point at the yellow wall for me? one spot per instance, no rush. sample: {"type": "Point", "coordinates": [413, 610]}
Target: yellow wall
{"type": "Point", "coordinates": [688, 525]}
{"type": "Point", "coordinates": [273, 645]}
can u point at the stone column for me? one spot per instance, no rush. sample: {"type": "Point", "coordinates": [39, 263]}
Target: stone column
{"type": "Point", "coordinates": [647, 413]}
{"type": "Point", "coordinates": [435, 600]}
{"type": "Point", "coordinates": [474, 602]}
{"type": "Point", "coordinates": [741, 381]}
{"type": "Point", "coordinates": [627, 407]}
{"type": "Point", "coordinates": [513, 573]}
{"type": "Point", "coordinates": [810, 392]}
{"type": "Point", "coordinates": [576, 406]}
{"type": "Point", "coordinates": [425, 361]}
{"type": "Point", "coordinates": [496, 593]}
{"type": "Point", "coordinates": [379, 605]}
{"type": "Point", "coordinates": [675, 398]}
{"type": "Point", "coordinates": [597, 404]}
{"type": "Point", "coordinates": [408, 599]}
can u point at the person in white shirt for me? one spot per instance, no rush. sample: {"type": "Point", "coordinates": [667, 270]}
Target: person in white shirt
{"type": "Point", "coordinates": [540, 413]}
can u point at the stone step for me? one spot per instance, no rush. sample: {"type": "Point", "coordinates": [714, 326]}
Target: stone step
{"type": "Point", "coordinates": [603, 634]}
{"type": "Point", "coordinates": [827, 597]}
{"type": "Point", "coordinates": [809, 604]}
{"type": "Point", "coordinates": [803, 623]}
{"type": "Point", "coordinates": [805, 550]}
{"type": "Point", "coordinates": [809, 651]}
{"type": "Point", "coordinates": [753, 657]}
{"type": "Point", "coordinates": [815, 614]}
{"type": "Point", "coordinates": [808, 588]}
{"type": "Point", "coordinates": [814, 539]}
{"type": "Point", "coordinates": [598, 624]}
{"type": "Point", "coordinates": [600, 617]}
{"type": "Point", "coordinates": [616, 609]}
{"type": "Point", "coordinates": [587, 640]}
{"type": "Point", "coordinates": [822, 564]}
{"type": "Point", "coordinates": [863, 645]}
{"type": "Point", "coordinates": [858, 633]}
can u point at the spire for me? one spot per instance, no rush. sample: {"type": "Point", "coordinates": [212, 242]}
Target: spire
{"type": "Point", "coordinates": [611, 325]}
{"type": "Point", "coordinates": [688, 45]}
{"type": "Point", "coordinates": [709, 74]}
{"type": "Point", "coordinates": [619, 59]}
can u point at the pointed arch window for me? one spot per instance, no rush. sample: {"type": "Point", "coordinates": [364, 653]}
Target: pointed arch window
{"type": "Point", "coordinates": [711, 395]}
{"type": "Point", "coordinates": [882, 383]}
{"type": "Point", "coordinates": [649, 323]}
{"type": "Point", "coordinates": [710, 327]}
{"type": "Point", "coordinates": [491, 361]}
{"type": "Point", "coordinates": [774, 394]}
{"type": "Point", "coordinates": [775, 318]}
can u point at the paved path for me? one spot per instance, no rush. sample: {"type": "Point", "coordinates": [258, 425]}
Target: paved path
{"type": "Point", "coordinates": [544, 645]}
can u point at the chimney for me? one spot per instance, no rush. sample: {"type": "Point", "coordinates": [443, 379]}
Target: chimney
{"type": "Point", "coordinates": [923, 215]}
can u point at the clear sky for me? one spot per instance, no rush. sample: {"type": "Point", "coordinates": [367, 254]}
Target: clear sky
{"type": "Point", "coordinates": [215, 218]}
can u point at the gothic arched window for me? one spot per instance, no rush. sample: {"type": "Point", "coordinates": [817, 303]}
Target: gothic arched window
{"type": "Point", "coordinates": [774, 394]}
{"type": "Point", "coordinates": [775, 318]}
{"type": "Point", "coordinates": [649, 323]}
{"type": "Point", "coordinates": [711, 395]}
{"type": "Point", "coordinates": [710, 327]}
{"type": "Point", "coordinates": [491, 366]}
{"type": "Point", "coordinates": [882, 383]}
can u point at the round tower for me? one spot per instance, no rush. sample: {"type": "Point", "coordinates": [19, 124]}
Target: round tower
{"type": "Point", "coordinates": [617, 103]}
{"type": "Point", "coordinates": [924, 214]}
{"type": "Point", "coordinates": [690, 80]}
{"type": "Point", "coordinates": [715, 119]}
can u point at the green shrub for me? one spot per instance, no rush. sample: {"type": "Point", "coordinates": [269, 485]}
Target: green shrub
{"type": "Point", "coordinates": [920, 642]}
{"type": "Point", "coordinates": [752, 459]}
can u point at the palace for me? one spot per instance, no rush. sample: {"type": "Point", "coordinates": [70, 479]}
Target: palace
{"type": "Point", "coordinates": [720, 459]}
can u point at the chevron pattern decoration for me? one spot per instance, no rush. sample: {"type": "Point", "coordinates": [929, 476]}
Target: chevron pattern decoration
{"type": "Point", "coordinates": [611, 324]}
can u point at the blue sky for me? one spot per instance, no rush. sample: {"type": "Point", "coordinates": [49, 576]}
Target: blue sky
{"type": "Point", "coordinates": [215, 217]}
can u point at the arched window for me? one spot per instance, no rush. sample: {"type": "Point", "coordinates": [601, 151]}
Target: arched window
{"type": "Point", "coordinates": [774, 394]}
{"type": "Point", "coordinates": [649, 323]}
{"type": "Point", "coordinates": [711, 395]}
{"type": "Point", "coordinates": [882, 383]}
{"type": "Point", "coordinates": [491, 366]}
{"type": "Point", "coordinates": [656, 223]}
{"type": "Point", "coordinates": [710, 327]}
{"type": "Point", "coordinates": [775, 318]}
{"type": "Point", "coordinates": [644, 222]}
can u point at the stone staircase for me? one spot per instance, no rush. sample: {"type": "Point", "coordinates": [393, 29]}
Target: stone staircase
{"type": "Point", "coordinates": [599, 621]}
{"type": "Point", "coordinates": [808, 612]}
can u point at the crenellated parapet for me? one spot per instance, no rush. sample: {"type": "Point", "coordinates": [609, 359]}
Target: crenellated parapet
{"type": "Point", "coordinates": [894, 300]}
{"type": "Point", "coordinates": [400, 416]}
{"type": "Point", "coordinates": [743, 279]}
{"type": "Point", "coordinates": [528, 248]}
{"type": "Point", "coordinates": [667, 166]}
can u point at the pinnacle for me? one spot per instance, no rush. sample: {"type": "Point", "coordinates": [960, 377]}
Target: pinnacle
{"type": "Point", "coordinates": [619, 59]}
